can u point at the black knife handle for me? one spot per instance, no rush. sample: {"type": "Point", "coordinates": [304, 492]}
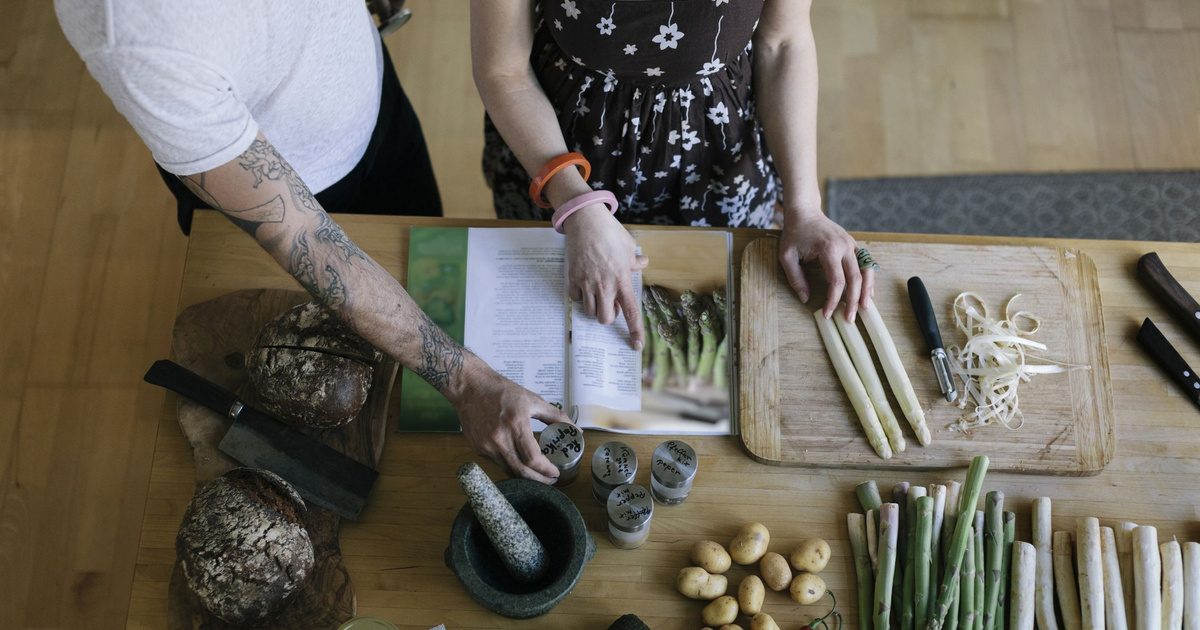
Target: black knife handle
{"type": "Point", "coordinates": [1155, 276]}
{"type": "Point", "coordinates": [170, 375]}
{"type": "Point", "coordinates": [923, 309]}
{"type": "Point", "coordinates": [1168, 358]}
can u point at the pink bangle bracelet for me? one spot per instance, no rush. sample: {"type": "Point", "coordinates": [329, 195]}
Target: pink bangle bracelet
{"type": "Point", "coordinates": [582, 201]}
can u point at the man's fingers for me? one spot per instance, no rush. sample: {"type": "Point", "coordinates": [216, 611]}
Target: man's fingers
{"type": "Point", "coordinates": [589, 303]}
{"type": "Point", "coordinates": [837, 282]}
{"type": "Point", "coordinates": [576, 293]}
{"type": "Point", "coordinates": [531, 456]}
{"type": "Point", "coordinates": [790, 262]}
{"type": "Point", "coordinates": [633, 316]}
{"type": "Point", "coordinates": [548, 413]}
{"type": "Point", "coordinates": [853, 286]}
{"type": "Point", "coordinates": [512, 461]}
{"type": "Point", "coordinates": [604, 305]}
{"type": "Point", "coordinates": [868, 287]}
{"type": "Point", "coordinates": [640, 262]}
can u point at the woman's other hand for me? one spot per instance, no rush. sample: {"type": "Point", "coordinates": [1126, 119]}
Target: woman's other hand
{"type": "Point", "coordinates": [601, 259]}
{"type": "Point", "coordinates": [810, 235]}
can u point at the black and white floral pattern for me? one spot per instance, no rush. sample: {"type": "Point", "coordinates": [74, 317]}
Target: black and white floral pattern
{"type": "Point", "coordinates": [658, 96]}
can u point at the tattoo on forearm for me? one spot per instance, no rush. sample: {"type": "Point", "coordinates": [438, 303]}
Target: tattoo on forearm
{"type": "Point", "coordinates": [300, 263]}
{"type": "Point", "coordinates": [441, 356]}
{"type": "Point", "coordinates": [331, 233]}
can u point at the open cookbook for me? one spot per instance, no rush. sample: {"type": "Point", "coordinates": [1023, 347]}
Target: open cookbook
{"type": "Point", "coordinates": [502, 293]}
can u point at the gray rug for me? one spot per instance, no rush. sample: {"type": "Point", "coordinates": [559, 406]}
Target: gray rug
{"type": "Point", "coordinates": [1145, 206]}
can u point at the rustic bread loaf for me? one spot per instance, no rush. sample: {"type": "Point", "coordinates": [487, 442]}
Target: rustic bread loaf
{"type": "Point", "coordinates": [310, 369]}
{"type": "Point", "coordinates": [243, 547]}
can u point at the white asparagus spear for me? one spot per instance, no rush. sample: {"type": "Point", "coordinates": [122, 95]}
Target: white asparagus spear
{"type": "Point", "coordinates": [1114, 597]}
{"type": "Point", "coordinates": [1091, 573]}
{"type": "Point", "coordinates": [853, 385]}
{"type": "Point", "coordinates": [1125, 559]}
{"type": "Point", "coordinates": [894, 369]}
{"type": "Point", "coordinates": [1191, 586]}
{"type": "Point", "coordinates": [1044, 593]}
{"type": "Point", "coordinates": [1172, 586]}
{"type": "Point", "coordinates": [873, 538]}
{"type": "Point", "coordinates": [1023, 589]}
{"type": "Point", "coordinates": [1147, 578]}
{"type": "Point", "coordinates": [861, 358]}
{"type": "Point", "coordinates": [1064, 581]}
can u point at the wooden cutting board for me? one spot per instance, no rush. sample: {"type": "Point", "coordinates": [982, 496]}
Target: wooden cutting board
{"type": "Point", "coordinates": [794, 412]}
{"type": "Point", "coordinates": [211, 339]}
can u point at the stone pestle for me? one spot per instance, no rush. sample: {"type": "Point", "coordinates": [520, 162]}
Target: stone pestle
{"type": "Point", "coordinates": [521, 551]}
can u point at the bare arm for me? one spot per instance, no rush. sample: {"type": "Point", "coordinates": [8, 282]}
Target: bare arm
{"type": "Point", "coordinates": [601, 254]}
{"type": "Point", "coordinates": [785, 85]}
{"type": "Point", "coordinates": [260, 193]}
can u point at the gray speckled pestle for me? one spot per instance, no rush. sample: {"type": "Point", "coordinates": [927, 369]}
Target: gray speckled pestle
{"type": "Point", "coordinates": [520, 550]}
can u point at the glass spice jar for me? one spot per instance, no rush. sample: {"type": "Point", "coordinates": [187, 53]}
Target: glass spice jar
{"type": "Point", "coordinates": [562, 444]}
{"type": "Point", "coordinates": [672, 471]}
{"type": "Point", "coordinates": [613, 464]}
{"type": "Point", "coordinates": [629, 512]}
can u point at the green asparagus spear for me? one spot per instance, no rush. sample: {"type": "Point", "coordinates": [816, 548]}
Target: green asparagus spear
{"type": "Point", "coordinates": [857, 527]}
{"type": "Point", "coordinates": [922, 560]}
{"type": "Point", "coordinates": [958, 544]}
{"type": "Point", "coordinates": [889, 522]}
{"type": "Point", "coordinates": [1010, 535]}
{"type": "Point", "coordinates": [721, 365]}
{"type": "Point", "coordinates": [907, 610]}
{"type": "Point", "coordinates": [900, 498]}
{"type": "Point", "coordinates": [966, 597]}
{"type": "Point", "coordinates": [868, 495]}
{"type": "Point", "coordinates": [692, 306]}
{"type": "Point", "coordinates": [708, 346]}
{"type": "Point", "coordinates": [980, 591]}
{"type": "Point", "coordinates": [993, 555]}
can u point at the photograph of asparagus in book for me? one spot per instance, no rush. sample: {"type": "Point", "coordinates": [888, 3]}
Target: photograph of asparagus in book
{"type": "Point", "coordinates": [502, 292]}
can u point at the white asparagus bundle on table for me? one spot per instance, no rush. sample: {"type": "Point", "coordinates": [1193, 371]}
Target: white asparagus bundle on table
{"type": "Point", "coordinates": [1091, 573]}
{"type": "Point", "coordinates": [1023, 589]}
{"type": "Point", "coordinates": [1124, 534]}
{"type": "Point", "coordinates": [1172, 585]}
{"type": "Point", "coordinates": [1042, 538]}
{"type": "Point", "coordinates": [1114, 596]}
{"type": "Point", "coordinates": [853, 385]}
{"type": "Point", "coordinates": [897, 377]}
{"type": "Point", "coordinates": [1064, 581]}
{"type": "Point", "coordinates": [865, 367]}
{"type": "Point", "coordinates": [1147, 578]}
{"type": "Point", "coordinates": [1191, 586]}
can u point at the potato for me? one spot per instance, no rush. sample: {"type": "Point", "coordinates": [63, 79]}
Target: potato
{"type": "Point", "coordinates": [763, 621]}
{"type": "Point", "coordinates": [807, 588]}
{"type": "Point", "coordinates": [720, 611]}
{"type": "Point", "coordinates": [710, 556]}
{"type": "Point", "coordinates": [811, 555]}
{"type": "Point", "coordinates": [750, 595]}
{"type": "Point", "coordinates": [750, 543]}
{"type": "Point", "coordinates": [697, 583]}
{"type": "Point", "coordinates": [775, 572]}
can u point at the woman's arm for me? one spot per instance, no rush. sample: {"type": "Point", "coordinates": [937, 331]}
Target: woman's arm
{"type": "Point", "coordinates": [785, 85]}
{"type": "Point", "coordinates": [601, 254]}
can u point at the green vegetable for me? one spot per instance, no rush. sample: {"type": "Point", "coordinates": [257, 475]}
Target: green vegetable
{"type": "Point", "coordinates": [966, 598]}
{"type": "Point", "coordinates": [856, 524]}
{"type": "Point", "coordinates": [958, 543]}
{"type": "Point", "coordinates": [922, 560]}
{"type": "Point", "coordinates": [889, 525]}
{"type": "Point", "coordinates": [993, 555]}
{"type": "Point", "coordinates": [868, 495]}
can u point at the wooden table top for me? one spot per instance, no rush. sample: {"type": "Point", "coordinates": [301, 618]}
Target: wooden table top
{"type": "Point", "coordinates": [394, 553]}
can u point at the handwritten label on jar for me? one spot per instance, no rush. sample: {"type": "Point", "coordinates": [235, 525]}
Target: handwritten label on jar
{"type": "Point", "coordinates": [614, 463]}
{"type": "Point", "coordinates": [561, 442]}
{"type": "Point", "coordinates": [630, 506]}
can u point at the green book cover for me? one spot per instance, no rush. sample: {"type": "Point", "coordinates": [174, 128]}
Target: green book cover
{"type": "Point", "coordinates": [437, 282]}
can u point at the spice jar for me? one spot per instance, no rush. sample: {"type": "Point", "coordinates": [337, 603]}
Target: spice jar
{"type": "Point", "coordinates": [672, 470]}
{"type": "Point", "coordinates": [629, 512]}
{"type": "Point", "coordinates": [562, 444]}
{"type": "Point", "coordinates": [613, 464]}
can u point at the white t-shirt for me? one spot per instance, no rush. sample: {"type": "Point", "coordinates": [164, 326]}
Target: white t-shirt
{"type": "Point", "coordinates": [198, 80]}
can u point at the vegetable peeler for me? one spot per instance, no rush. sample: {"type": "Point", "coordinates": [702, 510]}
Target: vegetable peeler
{"type": "Point", "coordinates": [927, 321]}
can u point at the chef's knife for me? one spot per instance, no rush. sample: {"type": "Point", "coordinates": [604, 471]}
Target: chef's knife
{"type": "Point", "coordinates": [927, 321]}
{"type": "Point", "coordinates": [320, 473]}
{"type": "Point", "coordinates": [1154, 275]}
{"type": "Point", "coordinates": [1168, 358]}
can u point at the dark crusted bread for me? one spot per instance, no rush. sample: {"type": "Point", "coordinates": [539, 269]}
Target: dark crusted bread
{"type": "Point", "coordinates": [309, 368]}
{"type": "Point", "coordinates": [242, 545]}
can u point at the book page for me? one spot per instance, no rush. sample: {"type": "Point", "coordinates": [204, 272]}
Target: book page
{"type": "Point", "coordinates": [515, 306]}
{"type": "Point", "coordinates": [605, 370]}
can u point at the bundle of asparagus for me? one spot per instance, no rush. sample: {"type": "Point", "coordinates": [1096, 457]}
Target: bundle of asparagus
{"type": "Point", "coordinates": [686, 344]}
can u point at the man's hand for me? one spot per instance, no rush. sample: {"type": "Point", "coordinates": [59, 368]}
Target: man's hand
{"type": "Point", "coordinates": [601, 259]}
{"type": "Point", "coordinates": [810, 235]}
{"type": "Point", "coordinates": [495, 412]}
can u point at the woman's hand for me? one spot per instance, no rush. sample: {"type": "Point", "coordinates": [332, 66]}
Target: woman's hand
{"type": "Point", "coordinates": [495, 412]}
{"type": "Point", "coordinates": [601, 258]}
{"type": "Point", "coordinates": [810, 235]}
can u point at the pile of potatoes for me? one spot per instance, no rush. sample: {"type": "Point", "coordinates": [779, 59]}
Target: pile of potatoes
{"type": "Point", "coordinates": [706, 580]}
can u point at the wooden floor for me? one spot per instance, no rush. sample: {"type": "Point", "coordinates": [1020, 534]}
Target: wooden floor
{"type": "Point", "coordinates": [90, 257]}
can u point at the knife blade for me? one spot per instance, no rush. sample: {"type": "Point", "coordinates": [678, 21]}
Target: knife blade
{"type": "Point", "coordinates": [1169, 359]}
{"type": "Point", "coordinates": [1155, 276]}
{"type": "Point", "coordinates": [323, 475]}
{"type": "Point", "coordinates": [927, 322]}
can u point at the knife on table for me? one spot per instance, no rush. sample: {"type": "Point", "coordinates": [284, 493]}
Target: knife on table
{"type": "Point", "coordinates": [1168, 358]}
{"type": "Point", "coordinates": [322, 475]}
{"type": "Point", "coordinates": [927, 322]}
{"type": "Point", "coordinates": [1155, 276]}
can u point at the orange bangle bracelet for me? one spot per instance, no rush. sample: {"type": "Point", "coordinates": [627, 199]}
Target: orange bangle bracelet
{"type": "Point", "coordinates": [551, 169]}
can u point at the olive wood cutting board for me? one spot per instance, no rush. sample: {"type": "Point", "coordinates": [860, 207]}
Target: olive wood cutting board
{"type": "Point", "coordinates": [793, 410]}
{"type": "Point", "coordinates": [211, 339]}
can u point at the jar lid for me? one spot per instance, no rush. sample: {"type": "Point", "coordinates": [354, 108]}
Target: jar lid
{"type": "Point", "coordinates": [674, 464]}
{"type": "Point", "coordinates": [562, 444]}
{"type": "Point", "coordinates": [614, 463]}
{"type": "Point", "coordinates": [630, 507]}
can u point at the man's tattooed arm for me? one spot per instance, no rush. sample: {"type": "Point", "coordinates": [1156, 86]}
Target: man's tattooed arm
{"type": "Point", "coordinates": [441, 356]}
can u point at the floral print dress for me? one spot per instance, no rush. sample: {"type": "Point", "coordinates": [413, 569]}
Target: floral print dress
{"type": "Point", "coordinates": [657, 95]}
